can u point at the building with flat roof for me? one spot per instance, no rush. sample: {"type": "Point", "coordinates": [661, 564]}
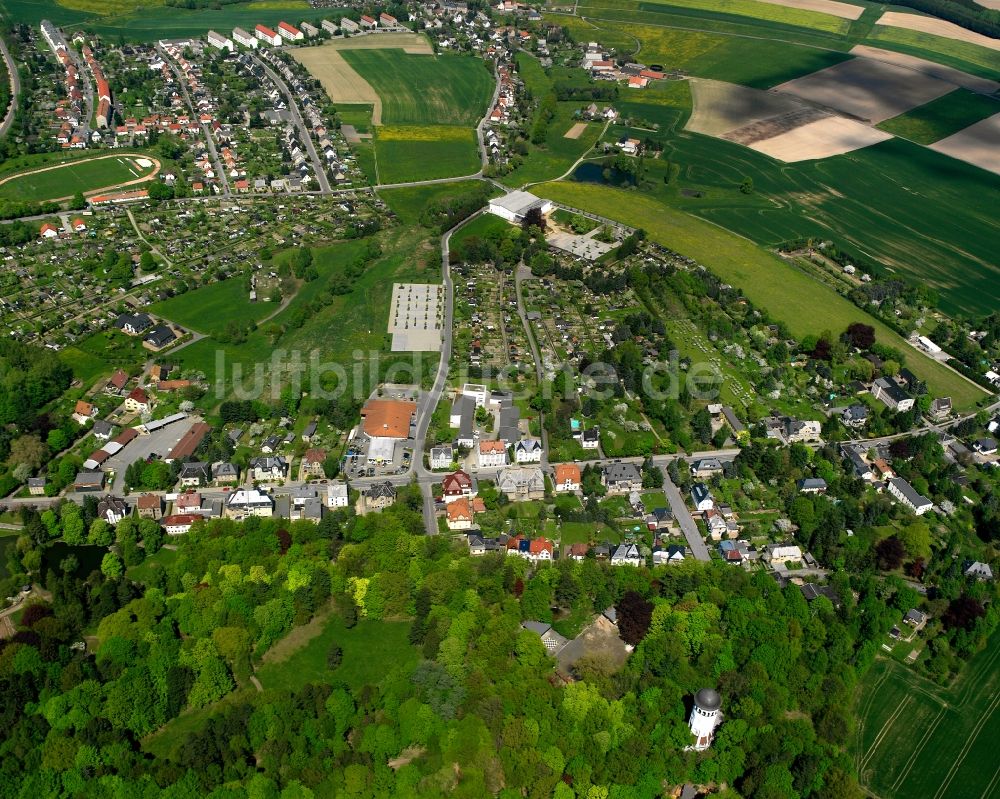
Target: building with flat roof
{"type": "Point", "coordinates": [515, 205]}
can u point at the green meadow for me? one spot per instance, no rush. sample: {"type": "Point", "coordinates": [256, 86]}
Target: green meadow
{"type": "Point", "coordinates": [210, 308]}
{"type": "Point", "coordinates": [942, 117]}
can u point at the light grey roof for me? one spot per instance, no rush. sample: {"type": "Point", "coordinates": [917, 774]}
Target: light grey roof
{"type": "Point", "coordinates": [708, 699]}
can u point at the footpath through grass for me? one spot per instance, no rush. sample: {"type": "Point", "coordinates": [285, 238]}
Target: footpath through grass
{"type": "Point", "coordinates": [804, 304]}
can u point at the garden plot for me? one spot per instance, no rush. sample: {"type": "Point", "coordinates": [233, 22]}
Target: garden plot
{"type": "Point", "coordinates": [936, 27]}
{"type": "Point", "coordinates": [868, 90]}
{"type": "Point", "coordinates": [956, 76]}
{"type": "Point", "coordinates": [822, 138]}
{"type": "Point", "coordinates": [978, 144]}
{"type": "Point", "coordinates": [576, 131]}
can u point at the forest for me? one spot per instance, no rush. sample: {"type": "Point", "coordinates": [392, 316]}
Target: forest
{"type": "Point", "coordinates": [158, 699]}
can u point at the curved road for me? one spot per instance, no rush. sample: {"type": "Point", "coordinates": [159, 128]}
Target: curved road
{"type": "Point", "coordinates": [15, 88]}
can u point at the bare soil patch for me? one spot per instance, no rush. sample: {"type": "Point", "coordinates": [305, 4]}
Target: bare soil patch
{"type": "Point", "coordinates": [719, 107]}
{"type": "Point", "coordinates": [300, 636]}
{"type": "Point", "coordinates": [340, 81]}
{"type": "Point", "coordinates": [408, 42]}
{"type": "Point", "coordinates": [774, 126]}
{"type": "Point", "coordinates": [971, 82]}
{"type": "Point", "coordinates": [576, 131]}
{"type": "Point", "coordinates": [993, 4]}
{"type": "Point", "coordinates": [832, 7]}
{"type": "Point", "coordinates": [871, 91]}
{"type": "Point", "coordinates": [978, 144]}
{"type": "Point", "coordinates": [937, 27]}
{"type": "Point", "coordinates": [599, 640]}
{"type": "Point", "coordinates": [822, 138]}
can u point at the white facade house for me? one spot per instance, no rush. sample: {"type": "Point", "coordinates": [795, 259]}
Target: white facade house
{"type": "Point", "coordinates": [442, 456]}
{"type": "Point", "coordinates": [336, 495]}
{"type": "Point", "coordinates": [309, 31]}
{"type": "Point", "coordinates": [268, 36]}
{"type": "Point", "coordinates": [705, 718]}
{"type": "Point", "coordinates": [249, 502]}
{"type": "Point", "coordinates": [219, 41]}
{"type": "Point", "coordinates": [528, 450]}
{"type": "Point", "coordinates": [289, 32]}
{"type": "Point", "coordinates": [492, 454]}
{"type": "Point", "coordinates": [909, 496]}
{"type": "Point", "coordinates": [243, 38]}
{"type": "Point", "coordinates": [782, 553]}
{"type": "Point", "coordinates": [887, 392]}
{"type": "Point", "coordinates": [702, 497]}
{"type": "Point", "coordinates": [328, 26]}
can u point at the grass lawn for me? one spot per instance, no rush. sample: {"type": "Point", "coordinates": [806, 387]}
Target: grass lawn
{"type": "Point", "coordinates": [585, 533]}
{"type": "Point", "coordinates": [409, 202]}
{"type": "Point", "coordinates": [72, 177]}
{"type": "Point", "coordinates": [482, 225]}
{"type": "Point", "coordinates": [915, 738]}
{"type": "Point", "coordinates": [86, 366]}
{"type": "Point", "coordinates": [423, 89]}
{"type": "Point", "coordinates": [210, 308]}
{"type": "Point", "coordinates": [767, 280]}
{"type": "Point", "coordinates": [426, 153]}
{"type": "Point", "coordinates": [144, 570]}
{"type": "Point", "coordinates": [372, 651]}
{"type": "Point", "coordinates": [942, 117]}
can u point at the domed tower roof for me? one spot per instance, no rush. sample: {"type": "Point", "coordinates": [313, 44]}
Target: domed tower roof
{"type": "Point", "coordinates": [708, 699]}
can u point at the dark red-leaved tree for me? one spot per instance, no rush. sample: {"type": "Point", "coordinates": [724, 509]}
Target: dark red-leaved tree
{"type": "Point", "coordinates": [860, 335]}
{"type": "Point", "coordinates": [962, 613]}
{"type": "Point", "coordinates": [635, 613]}
{"type": "Point", "coordinates": [889, 553]}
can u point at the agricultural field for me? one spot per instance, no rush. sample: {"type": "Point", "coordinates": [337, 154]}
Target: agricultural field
{"type": "Point", "coordinates": [401, 160]}
{"type": "Point", "coordinates": [208, 309]}
{"type": "Point", "coordinates": [942, 117]}
{"type": "Point", "coordinates": [61, 181]}
{"type": "Point", "coordinates": [425, 90]}
{"type": "Point", "coordinates": [961, 55]}
{"type": "Point", "coordinates": [915, 738]}
{"type": "Point", "coordinates": [767, 280]}
{"type": "Point", "coordinates": [769, 12]}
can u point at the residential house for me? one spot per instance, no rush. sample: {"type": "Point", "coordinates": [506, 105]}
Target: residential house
{"type": "Point", "coordinates": [457, 485]}
{"type": "Point", "coordinates": [916, 619]}
{"type": "Point", "coordinates": [194, 474]}
{"type": "Point", "coordinates": [675, 553]}
{"type": "Point", "coordinates": [83, 412]}
{"type": "Point", "coordinates": [241, 37]}
{"type": "Point", "coordinates": [782, 553]}
{"type": "Point", "coordinates": [49, 231]}
{"type": "Point", "coordinates": [626, 555]}
{"type": "Point", "coordinates": [577, 551]}
{"type": "Point", "coordinates": [102, 430]}
{"type": "Point", "coordinates": [117, 382]}
{"type": "Point", "coordinates": [703, 468]}
{"type": "Point", "coordinates": [309, 432]}
{"type": "Point", "coordinates": [985, 446]}
{"type": "Point", "coordinates": [442, 456]}
{"type": "Point", "coordinates": [521, 483]}
{"type": "Point", "coordinates": [940, 409]}
{"type": "Point", "coordinates": [188, 502]}
{"type": "Point", "coordinates": [891, 395]}
{"type": "Point", "coordinates": [269, 468]}
{"type": "Point", "coordinates": [179, 523]}
{"type": "Point", "coordinates": [567, 477]}
{"type": "Point", "coordinates": [533, 549]}
{"type": "Point", "coordinates": [290, 33]}
{"type": "Point", "coordinates": [459, 514]}
{"type": "Point", "coordinates": [133, 324]}
{"type": "Point", "coordinates": [855, 416]}
{"type": "Point", "coordinates": [492, 454]}
{"type": "Point", "coordinates": [528, 450]}
{"type": "Point", "coordinates": [811, 591]}
{"type": "Point", "coordinates": [979, 571]}
{"type": "Point", "coordinates": [702, 497]}
{"type": "Point", "coordinates": [790, 431]}
{"type": "Point", "coordinates": [112, 509]}
{"type": "Point", "coordinates": [379, 496]}
{"type": "Point", "coordinates": [312, 462]}
{"type": "Point", "coordinates": [137, 401]}
{"type": "Point", "coordinates": [812, 485]}
{"type": "Point", "coordinates": [268, 36]}
{"type": "Point", "coordinates": [909, 496]}
{"type": "Point", "coordinates": [620, 477]}
{"type": "Point", "coordinates": [735, 552]}
{"type": "Point", "coordinates": [463, 416]}
{"type": "Point", "coordinates": [149, 506]}
{"type": "Point", "coordinates": [247, 502]}
{"type": "Point", "coordinates": [337, 495]}
{"type": "Point", "coordinates": [716, 524]}
{"type": "Point", "coordinates": [271, 444]}
{"type": "Point", "coordinates": [225, 473]}
{"type": "Point", "coordinates": [36, 486]}
{"type": "Point", "coordinates": [589, 439]}
{"type": "Point", "coordinates": [659, 520]}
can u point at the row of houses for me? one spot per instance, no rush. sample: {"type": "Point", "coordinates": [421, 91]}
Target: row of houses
{"type": "Point", "coordinates": [103, 114]}
{"type": "Point", "coordinates": [69, 112]}
{"type": "Point", "coordinates": [539, 550]}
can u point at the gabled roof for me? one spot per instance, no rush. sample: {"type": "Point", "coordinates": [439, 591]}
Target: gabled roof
{"type": "Point", "coordinates": [567, 472]}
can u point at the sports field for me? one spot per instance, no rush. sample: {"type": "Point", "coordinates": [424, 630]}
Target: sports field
{"type": "Point", "coordinates": [916, 739]}
{"type": "Point", "coordinates": [425, 90]}
{"type": "Point", "coordinates": [64, 180]}
{"type": "Point", "coordinates": [804, 304]}
{"type": "Point", "coordinates": [942, 117]}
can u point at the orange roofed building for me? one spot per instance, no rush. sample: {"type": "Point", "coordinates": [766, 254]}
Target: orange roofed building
{"type": "Point", "coordinates": [568, 477]}
{"type": "Point", "coordinates": [388, 418]}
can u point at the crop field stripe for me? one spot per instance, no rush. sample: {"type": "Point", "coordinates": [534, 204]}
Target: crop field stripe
{"type": "Point", "coordinates": [885, 730]}
{"type": "Point", "coordinates": [992, 785]}
{"type": "Point", "coordinates": [908, 766]}
{"type": "Point", "coordinates": [985, 717]}
{"type": "Point", "coordinates": [865, 712]}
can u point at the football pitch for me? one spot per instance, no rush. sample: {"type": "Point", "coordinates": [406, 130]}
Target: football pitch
{"type": "Point", "coordinates": [917, 739]}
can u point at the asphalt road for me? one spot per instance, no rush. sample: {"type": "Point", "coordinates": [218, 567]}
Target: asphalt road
{"type": "Point", "coordinates": [15, 88]}
{"type": "Point", "coordinates": [300, 124]}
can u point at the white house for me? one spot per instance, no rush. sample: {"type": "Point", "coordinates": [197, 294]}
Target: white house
{"type": "Point", "coordinates": [336, 495]}
{"type": "Point", "coordinates": [567, 477]}
{"type": "Point", "coordinates": [782, 553]}
{"type": "Point", "coordinates": [243, 38]}
{"type": "Point", "coordinates": [626, 555]}
{"type": "Point", "coordinates": [909, 496]}
{"type": "Point", "coordinates": [492, 454]}
{"type": "Point", "coordinates": [268, 36]}
{"type": "Point", "coordinates": [528, 450]}
{"type": "Point", "coordinates": [249, 502]}
{"type": "Point", "coordinates": [887, 392]}
{"type": "Point", "coordinates": [329, 27]}
{"type": "Point", "coordinates": [179, 523]}
{"type": "Point", "coordinates": [219, 41]}
{"type": "Point", "coordinates": [289, 33]}
{"type": "Point", "coordinates": [442, 456]}
{"type": "Point", "coordinates": [702, 497]}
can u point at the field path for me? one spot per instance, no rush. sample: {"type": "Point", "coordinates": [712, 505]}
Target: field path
{"type": "Point", "coordinates": [156, 170]}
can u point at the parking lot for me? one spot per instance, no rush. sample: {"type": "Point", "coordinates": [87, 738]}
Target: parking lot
{"type": "Point", "coordinates": [356, 459]}
{"type": "Point", "coordinates": [159, 442]}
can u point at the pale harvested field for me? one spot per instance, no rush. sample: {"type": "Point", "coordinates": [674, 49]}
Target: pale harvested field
{"type": "Point", "coordinates": [937, 27]}
{"type": "Point", "coordinates": [576, 131]}
{"type": "Point", "coordinates": [871, 91]}
{"type": "Point", "coordinates": [832, 7]}
{"type": "Point", "coordinates": [820, 139]}
{"type": "Point", "coordinates": [340, 80]}
{"type": "Point", "coordinates": [971, 82]}
{"type": "Point", "coordinates": [978, 144]}
{"type": "Point", "coordinates": [992, 4]}
{"type": "Point", "coordinates": [719, 107]}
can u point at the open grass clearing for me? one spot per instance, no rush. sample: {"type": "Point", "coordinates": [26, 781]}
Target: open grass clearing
{"type": "Point", "coordinates": [210, 308]}
{"type": "Point", "coordinates": [425, 90]}
{"type": "Point", "coordinates": [937, 27]}
{"type": "Point", "coordinates": [401, 160]}
{"type": "Point", "coordinates": [767, 280]}
{"type": "Point", "coordinates": [943, 117]}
